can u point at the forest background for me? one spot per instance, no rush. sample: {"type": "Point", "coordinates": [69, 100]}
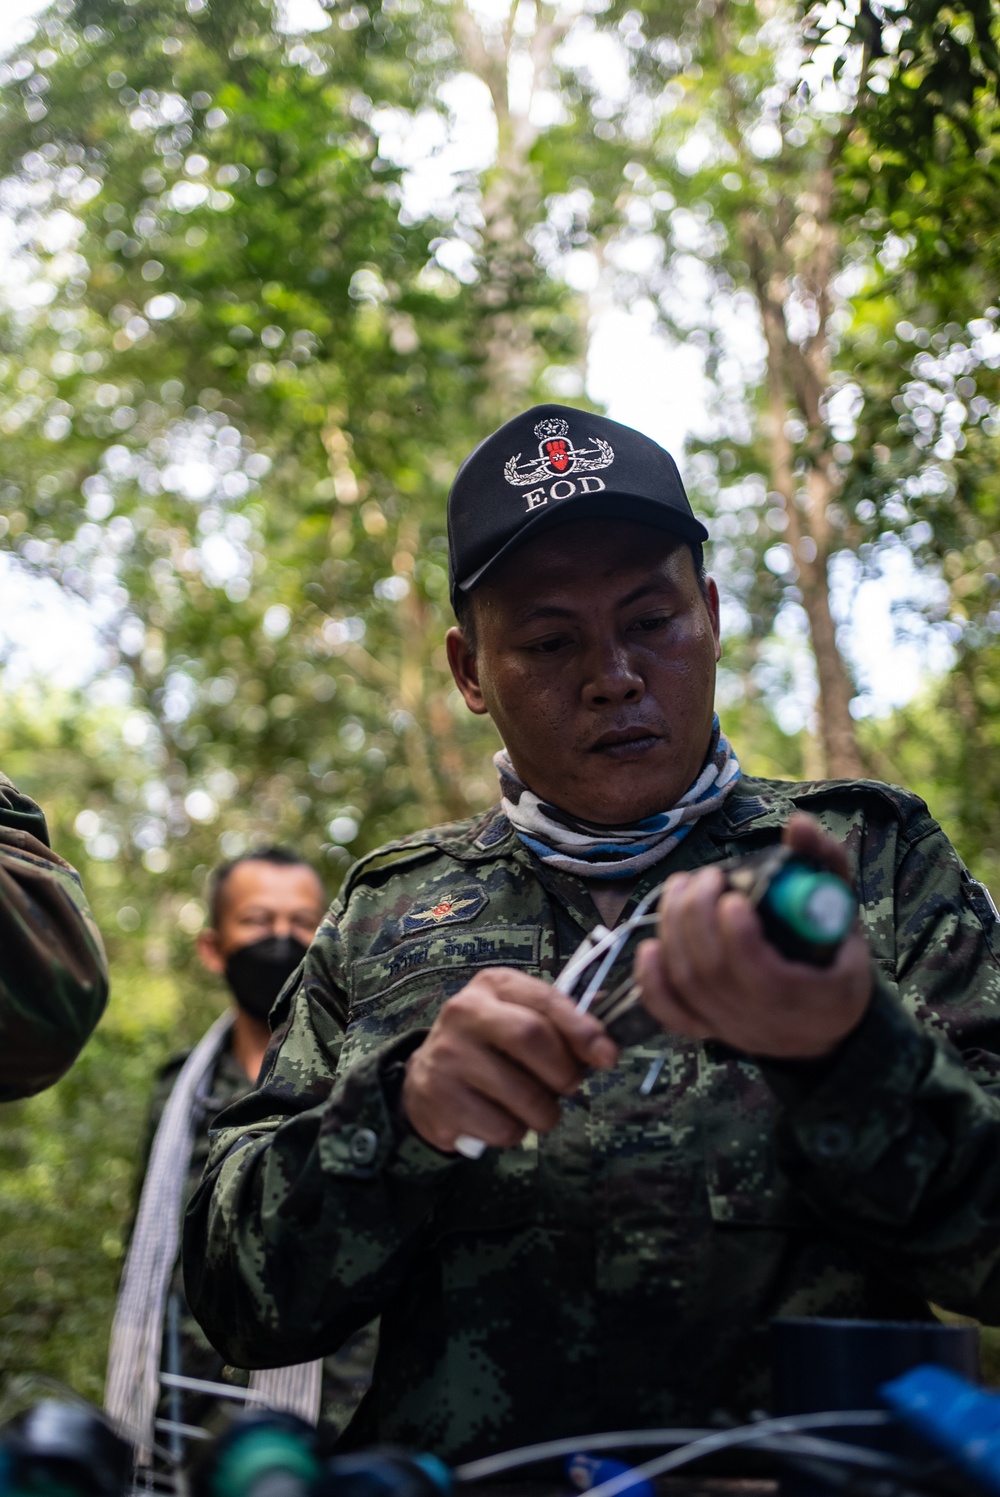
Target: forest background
{"type": "Point", "coordinates": [240, 360]}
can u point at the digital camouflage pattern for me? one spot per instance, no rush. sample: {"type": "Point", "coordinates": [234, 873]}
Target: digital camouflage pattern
{"type": "Point", "coordinates": [346, 1372]}
{"type": "Point", "coordinates": [621, 1271]}
{"type": "Point", "coordinates": [53, 973]}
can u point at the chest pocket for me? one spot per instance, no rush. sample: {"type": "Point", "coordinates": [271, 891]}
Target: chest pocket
{"type": "Point", "coordinates": [403, 988]}
{"type": "Point", "coordinates": [746, 1186]}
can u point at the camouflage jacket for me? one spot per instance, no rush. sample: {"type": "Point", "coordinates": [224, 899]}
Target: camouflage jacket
{"type": "Point", "coordinates": [53, 974]}
{"type": "Point", "coordinates": [621, 1271]}
{"type": "Point", "coordinates": [185, 1347]}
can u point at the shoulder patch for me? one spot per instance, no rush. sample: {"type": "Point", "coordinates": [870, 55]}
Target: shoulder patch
{"type": "Point", "coordinates": [981, 900]}
{"type": "Point", "coordinates": [496, 829]}
{"type": "Point", "coordinates": [747, 808]}
{"type": "Point", "coordinates": [455, 839]}
{"type": "Point", "coordinates": [386, 859]}
{"type": "Point", "coordinates": [906, 808]}
{"type": "Point", "coordinates": [451, 909]}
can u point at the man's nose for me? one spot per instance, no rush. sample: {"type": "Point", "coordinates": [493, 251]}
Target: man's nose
{"type": "Point", "coordinates": [612, 677]}
{"type": "Point", "coordinates": [281, 926]}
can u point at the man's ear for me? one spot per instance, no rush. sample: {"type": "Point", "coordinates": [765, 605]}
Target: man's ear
{"type": "Point", "coordinates": [712, 604]}
{"type": "Point", "coordinates": [462, 660]}
{"type": "Point", "coordinates": [207, 946]}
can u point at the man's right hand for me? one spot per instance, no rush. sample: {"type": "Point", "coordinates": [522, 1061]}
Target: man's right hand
{"type": "Point", "coordinates": [500, 1055]}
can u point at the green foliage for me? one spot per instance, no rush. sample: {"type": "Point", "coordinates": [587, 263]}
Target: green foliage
{"type": "Point", "coordinates": [945, 747]}
{"type": "Point", "coordinates": [69, 1157]}
{"type": "Point", "coordinates": [835, 173]}
{"type": "Point", "coordinates": [236, 413]}
{"type": "Point", "coordinates": [258, 378]}
{"type": "Point", "coordinates": [939, 65]}
{"type": "Point", "coordinates": [68, 1161]}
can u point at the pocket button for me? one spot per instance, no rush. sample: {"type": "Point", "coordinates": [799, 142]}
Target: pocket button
{"type": "Point", "coordinates": [832, 1140]}
{"type": "Point", "coordinates": [363, 1146]}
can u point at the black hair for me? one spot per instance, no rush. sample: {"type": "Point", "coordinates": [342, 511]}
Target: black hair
{"type": "Point", "coordinates": [465, 613]}
{"type": "Point", "coordinates": [282, 857]}
{"type": "Point", "coordinates": [465, 616]}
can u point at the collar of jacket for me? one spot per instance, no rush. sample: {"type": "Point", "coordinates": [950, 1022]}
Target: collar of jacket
{"type": "Point", "coordinates": [754, 812]}
{"type": "Point", "coordinates": [745, 811]}
{"type": "Point", "coordinates": [754, 807]}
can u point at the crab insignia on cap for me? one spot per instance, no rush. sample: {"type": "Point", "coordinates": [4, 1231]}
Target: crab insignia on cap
{"type": "Point", "coordinates": [557, 455]}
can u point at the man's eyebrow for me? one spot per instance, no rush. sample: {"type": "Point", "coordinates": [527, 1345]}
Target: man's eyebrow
{"type": "Point", "coordinates": [544, 611]}
{"type": "Point", "coordinates": [654, 587]}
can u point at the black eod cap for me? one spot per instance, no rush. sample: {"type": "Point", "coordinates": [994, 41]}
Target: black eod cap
{"type": "Point", "coordinates": [551, 465]}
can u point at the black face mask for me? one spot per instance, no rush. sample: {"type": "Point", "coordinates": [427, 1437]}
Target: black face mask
{"type": "Point", "coordinates": [258, 973]}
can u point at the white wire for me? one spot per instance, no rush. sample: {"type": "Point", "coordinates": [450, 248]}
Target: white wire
{"type": "Point", "coordinates": [202, 1385]}
{"type": "Point", "coordinates": [608, 944]}
{"type": "Point", "coordinates": [593, 987]}
{"type": "Point", "coordinates": [809, 1447]}
{"type": "Point", "coordinates": [588, 951]}
{"type": "Point", "coordinates": [623, 933]}
{"type": "Point", "coordinates": [747, 1434]}
{"type": "Point", "coordinates": [190, 1431]}
{"type": "Point", "coordinates": [527, 1455]}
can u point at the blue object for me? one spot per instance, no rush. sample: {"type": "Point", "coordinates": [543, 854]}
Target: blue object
{"type": "Point", "coordinates": [435, 1469]}
{"type": "Point", "coordinates": [586, 1471]}
{"type": "Point", "coordinates": [382, 1472]}
{"type": "Point", "coordinates": [959, 1419]}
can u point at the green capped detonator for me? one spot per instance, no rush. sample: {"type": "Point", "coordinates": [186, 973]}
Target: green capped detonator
{"type": "Point", "coordinates": [806, 910]}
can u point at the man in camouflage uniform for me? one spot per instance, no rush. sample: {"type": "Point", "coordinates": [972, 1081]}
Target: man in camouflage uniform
{"type": "Point", "coordinates": [53, 974]}
{"type": "Point", "coordinates": [819, 1142]}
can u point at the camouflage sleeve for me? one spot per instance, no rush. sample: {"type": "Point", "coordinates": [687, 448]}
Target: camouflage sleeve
{"type": "Point", "coordinates": [897, 1143]}
{"type": "Point", "coordinates": [314, 1197]}
{"type": "Point", "coordinates": [53, 975]}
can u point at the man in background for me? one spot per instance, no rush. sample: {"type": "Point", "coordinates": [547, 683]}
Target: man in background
{"type": "Point", "coordinates": [53, 973]}
{"type": "Point", "coordinates": [264, 909]}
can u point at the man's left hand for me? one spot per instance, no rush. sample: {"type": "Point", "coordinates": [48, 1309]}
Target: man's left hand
{"type": "Point", "coordinates": [712, 973]}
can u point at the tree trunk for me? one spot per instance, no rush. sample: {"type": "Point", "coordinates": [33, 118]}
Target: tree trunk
{"type": "Point", "coordinates": [795, 247]}
{"type": "Point", "coordinates": [836, 725]}
{"type": "Point", "coordinates": [841, 759]}
{"type": "Point", "coordinates": [796, 382]}
{"type": "Point", "coordinates": [511, 206]}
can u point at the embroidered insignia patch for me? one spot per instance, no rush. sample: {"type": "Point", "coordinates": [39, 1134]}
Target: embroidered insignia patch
{"type": "Point", "coordinates": [449, 910]}
{"type": "Point", "coordinates": [557, 456]}
{"type": "Point", "coordinates": [498, 829]}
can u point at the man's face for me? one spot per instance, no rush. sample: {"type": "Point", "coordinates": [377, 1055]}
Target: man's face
{"type": "Point", "coordinates": [595, 657]}
{"type": "Point", "coordinates": [261, 899]}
